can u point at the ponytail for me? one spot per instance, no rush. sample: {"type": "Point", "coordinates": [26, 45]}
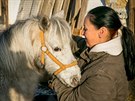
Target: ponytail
{"type": "Point", "coordinates": [128, 44]}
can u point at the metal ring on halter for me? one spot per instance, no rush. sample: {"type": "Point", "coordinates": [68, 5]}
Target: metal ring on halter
{"type": "Point", "coordinates": [43, 48]}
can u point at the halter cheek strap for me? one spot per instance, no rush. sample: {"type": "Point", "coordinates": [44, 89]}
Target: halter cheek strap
{"type": "Point", "coordinates": [45, 50]}
{"type": "Point", "coordinates": [42, 45]}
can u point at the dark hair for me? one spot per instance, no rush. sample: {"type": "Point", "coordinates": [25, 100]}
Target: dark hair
{"type": "Point", "coordinates": [107, 17]}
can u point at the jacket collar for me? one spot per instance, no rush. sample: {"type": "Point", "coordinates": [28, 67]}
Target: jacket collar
{"type": "Point", "coordinates": [112, 47]}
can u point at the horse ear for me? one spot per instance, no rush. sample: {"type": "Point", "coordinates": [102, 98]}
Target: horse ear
{"type": "Point", "coordinates": [44, 23]}
{"type": "Point", "coordinates": [59, 14]}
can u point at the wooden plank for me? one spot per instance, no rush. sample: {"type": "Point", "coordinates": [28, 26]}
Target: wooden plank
{"type": "Point", "coordinates": [47, 8]}
{"type": "Point", "coordinates": [65, 7]}
{"type": "Point", "coordinates": [74, 19]}
{"type": "Point", "coordinates": [6, 13]}
{"type": "Point", "coordinates": [132, 15]}
{"type": "Point", "coordinates": [24, 9]}
{"type": "Point", "coordinates": [0, 8]}
{"type": "Point", "coordinates": [36, 6]}
{"type": "Point", "coordinates": [58, 6]}
{"type": "Point", "coordinates": [77, 7]}
{"type": "Point", "coordinates": [82, 13]}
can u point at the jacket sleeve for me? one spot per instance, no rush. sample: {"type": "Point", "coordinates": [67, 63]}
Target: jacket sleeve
{"type": "Point", "coordinates": [99, 87]}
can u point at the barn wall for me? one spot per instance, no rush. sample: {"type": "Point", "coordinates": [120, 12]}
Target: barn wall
{"type": "Point", "coordinates": [74, 10]}
{"type": "Point", "coordinates": [13, 7]}
{"type": "Point", "coordinates": [131, 23]}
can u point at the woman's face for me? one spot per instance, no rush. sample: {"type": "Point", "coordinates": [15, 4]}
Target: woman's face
{"type": "Point", "coordinates": [91, 33]}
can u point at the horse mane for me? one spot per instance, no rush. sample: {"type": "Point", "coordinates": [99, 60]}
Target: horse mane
{"type": "Point", "coordinates": [13, 43]}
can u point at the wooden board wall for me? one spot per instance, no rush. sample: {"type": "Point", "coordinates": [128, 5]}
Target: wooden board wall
{"type": "Point", "coordinates": [131, 21]}
{"type": "Point", "coordinates": [3, 14]}
{"type": "Point", "coordinates": [74, 10]}
{"type": "Point", "coordinates": [0, 8]}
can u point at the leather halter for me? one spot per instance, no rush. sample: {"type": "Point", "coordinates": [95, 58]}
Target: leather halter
{"type": "Point", "coordinates": [46, 51]}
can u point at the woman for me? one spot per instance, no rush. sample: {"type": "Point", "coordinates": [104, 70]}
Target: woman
{"type": "Point", "coordinates": [107, 63]}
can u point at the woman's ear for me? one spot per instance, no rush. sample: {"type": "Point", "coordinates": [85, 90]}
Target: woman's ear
{"type": "Point", "coordinates": [102, 32]}
{"type": "Point", "coordinates": [44, 23]}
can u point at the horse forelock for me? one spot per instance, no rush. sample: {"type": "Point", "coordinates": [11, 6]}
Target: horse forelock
{"type": "Point", "coordinates": [61, 28]}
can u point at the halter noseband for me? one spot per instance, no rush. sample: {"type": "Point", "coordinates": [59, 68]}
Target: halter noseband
{"type": "Point", "coordinates": [45, 50]}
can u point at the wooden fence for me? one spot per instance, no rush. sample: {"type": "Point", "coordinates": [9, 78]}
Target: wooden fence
{"type": "Point", "coordinates": [3, 14]}
{"type": "Point", "coordinates": [74, 10]}
{"type": "Point", "coordinates": [131, 21]}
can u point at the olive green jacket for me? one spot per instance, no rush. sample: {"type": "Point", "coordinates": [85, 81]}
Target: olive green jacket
{"type": "Point", "coordinates": [103, 76]}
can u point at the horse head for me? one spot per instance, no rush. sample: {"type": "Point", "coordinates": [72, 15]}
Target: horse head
{"type": "Point", "coordinates": [55, 50]}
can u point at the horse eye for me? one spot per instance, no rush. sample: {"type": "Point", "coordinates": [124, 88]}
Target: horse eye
{"type": "Point", "coordinates": [57, 49]}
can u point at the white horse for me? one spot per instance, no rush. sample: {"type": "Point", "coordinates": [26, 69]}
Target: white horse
{"type": "Point", "coordinates": [24, 49]}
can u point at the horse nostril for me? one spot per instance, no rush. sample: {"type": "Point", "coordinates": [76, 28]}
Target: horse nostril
{"type": "Point", "coordinates": [75, 80]}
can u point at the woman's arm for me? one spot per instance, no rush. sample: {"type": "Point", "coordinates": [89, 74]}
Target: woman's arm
{"type": "Point", "coordinates": [99, 87]}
